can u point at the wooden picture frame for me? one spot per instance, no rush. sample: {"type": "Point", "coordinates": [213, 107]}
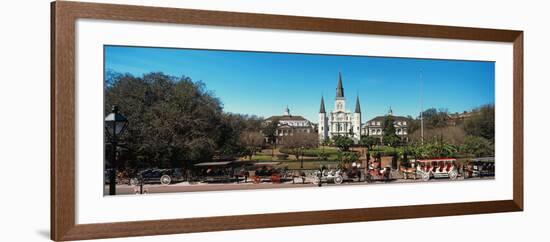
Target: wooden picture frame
{"type": "Point", "coordinates": [63, 17]}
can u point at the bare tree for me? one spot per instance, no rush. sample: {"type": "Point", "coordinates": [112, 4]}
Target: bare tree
{"type": "Point", "coordinates": [454, 135]}
{"type": "Point", "coordinates": [251, 140]}
{"type": "Point", "coordinates": [298, 141]}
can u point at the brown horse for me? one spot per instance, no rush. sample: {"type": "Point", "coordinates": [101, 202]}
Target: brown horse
{"type": "Point", "coordinates": [408, 171]}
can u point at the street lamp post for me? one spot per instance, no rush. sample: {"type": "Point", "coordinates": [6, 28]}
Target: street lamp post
{"type": "Point", "coordinates": [302, 161]}
{"type": "Point", "coordinates": [115, 124]}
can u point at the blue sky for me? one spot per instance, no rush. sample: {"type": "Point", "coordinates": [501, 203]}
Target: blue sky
{"type": "Point", "coordinates": [263, 83]}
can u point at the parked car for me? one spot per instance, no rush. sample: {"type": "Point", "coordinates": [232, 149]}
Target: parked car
{"type": "Point", "coordinates": [480, 167]}
{"type": "Point", "coordinates": [162, 176]}
{"type": "Point", "coordinates": [436, 168]}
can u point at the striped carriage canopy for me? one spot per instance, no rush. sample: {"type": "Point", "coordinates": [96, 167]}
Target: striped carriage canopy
{"type": "Point", "coordinates": [439, 159]}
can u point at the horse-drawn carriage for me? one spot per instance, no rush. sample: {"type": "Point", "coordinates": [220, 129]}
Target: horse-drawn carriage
{"type": "Point", "coordinates": [268, 171]}
{"type": "Point", "coordinates": [480, 167]}
{"type": "Point", "coordinates": [435, 168]}
{"type": "Point", "coordinates": [375, 172]}
{"type": "Point", "coordinates": [346, 172]}
{"type": "Point", "coordinates": [237, 171]}
{"type": "Point", "coordinates": [328, 176]}
{"type": "Point", "coordinates": [213, 172]}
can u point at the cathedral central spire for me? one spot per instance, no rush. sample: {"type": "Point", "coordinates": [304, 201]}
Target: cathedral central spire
{"type": "Point", "coordinates": [339, 121]}
{"type": "Point", "coordinates": [339, 88]}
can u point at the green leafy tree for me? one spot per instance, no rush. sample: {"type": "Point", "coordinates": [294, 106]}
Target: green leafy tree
{"type": "Point", "coordinates": [368, 141]}
{"type": "Point", "coordinates": [415, 150]}
{"type": "Point", "coordinates": [405, 155]}
{"type": "Point", "coordinates": [349, 157]}
{"type": "Point", "coordinates": [438, 148]}
{"type": "Point", "coordinates": [327, 141]}
{"type": "Point", "coordinates": [270, 131]}
{"type": "Point", "coordinates": [343, 142]}
{"type": "Point", "coordinates": [173, 121]}
{"type": "Point", "coordinates": [478, 146]}
{"type": "Point", "coordinates": [389, 136]}
{"type": "Point", "coordinates": [482, 123]}
{"type": "Point", "coordinates": [323, 156]}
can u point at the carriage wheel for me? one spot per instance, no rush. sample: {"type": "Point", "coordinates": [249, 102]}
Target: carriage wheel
{"type": "Point", "coordinates": [316, 180]}
{"type": "Point", "coordinates": [165, 180]}
{"type": "Point", "coordinates": [338, 179]}
{"type": "Point", "coordinates": [368, 178]}
{"type": "Point", "coordinates": [256, 179]}
{"type": "Point", "coordinates": [453, 175]}
{"type": "Point", "coordinates": [275, 179]}
{"type": "Point", "coordinates": [425, 176]}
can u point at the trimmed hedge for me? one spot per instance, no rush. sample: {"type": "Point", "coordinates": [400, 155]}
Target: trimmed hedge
{"type": "Point", "coordinates": [310, 152]}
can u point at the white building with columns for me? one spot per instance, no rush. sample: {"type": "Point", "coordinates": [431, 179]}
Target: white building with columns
{"type": "Point", "coordinates": [340, 122]}
{"type": "Point", "coordinates": [289, 124]}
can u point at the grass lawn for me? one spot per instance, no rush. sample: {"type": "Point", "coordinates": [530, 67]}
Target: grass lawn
{"type": "Point", "coordinates": [314, 152]}
{"type": "Point", "coordinates": [309, 164]}
{"type": "Point", "coordinates": [310, 156]}
{"type": "Point", "coordinates": [292, 163]}
{"type": "Point", "coordinates": [264, 157]}
{"type": "Point", "coordinates": [326, 149]}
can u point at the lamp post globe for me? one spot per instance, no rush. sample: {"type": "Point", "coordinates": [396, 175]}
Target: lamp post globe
{"type": "Point", "coordinates": [115, 125]}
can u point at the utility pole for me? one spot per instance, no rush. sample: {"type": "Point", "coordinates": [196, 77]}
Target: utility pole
{"type": "Point", "coordinates": [421, 108]}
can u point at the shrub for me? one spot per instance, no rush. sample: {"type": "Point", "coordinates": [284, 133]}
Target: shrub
{"type": "Point", "coordinates": [308, 152]}
{"type": "Point", "coordinates": [282, 156]}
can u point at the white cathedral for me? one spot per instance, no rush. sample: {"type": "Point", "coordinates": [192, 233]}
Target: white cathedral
{"type": "Point", "coordinates": [340, 122]}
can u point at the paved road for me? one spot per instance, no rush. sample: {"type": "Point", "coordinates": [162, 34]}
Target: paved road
{"type": "Point", "coordinates": [186, 187]}
{"type": "Point", "coordinates": [198, 187]}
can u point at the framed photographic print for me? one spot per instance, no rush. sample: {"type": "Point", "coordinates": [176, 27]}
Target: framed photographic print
{"type": "Point", "coordinates": [256, 120]}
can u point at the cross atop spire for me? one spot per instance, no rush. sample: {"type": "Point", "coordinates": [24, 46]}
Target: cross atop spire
{"type": "Point", "coordinates": [322, 109]}
{"type": "Point", "coordinates": [340, 88]}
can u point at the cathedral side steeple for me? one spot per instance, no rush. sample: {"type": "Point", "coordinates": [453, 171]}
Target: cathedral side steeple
{"type": "Point", "coordinates": [357, 105]}
{"type": "Point", "coordinates": [323, 125]}
{"type": "Point", "coordinates": [322, 109]}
